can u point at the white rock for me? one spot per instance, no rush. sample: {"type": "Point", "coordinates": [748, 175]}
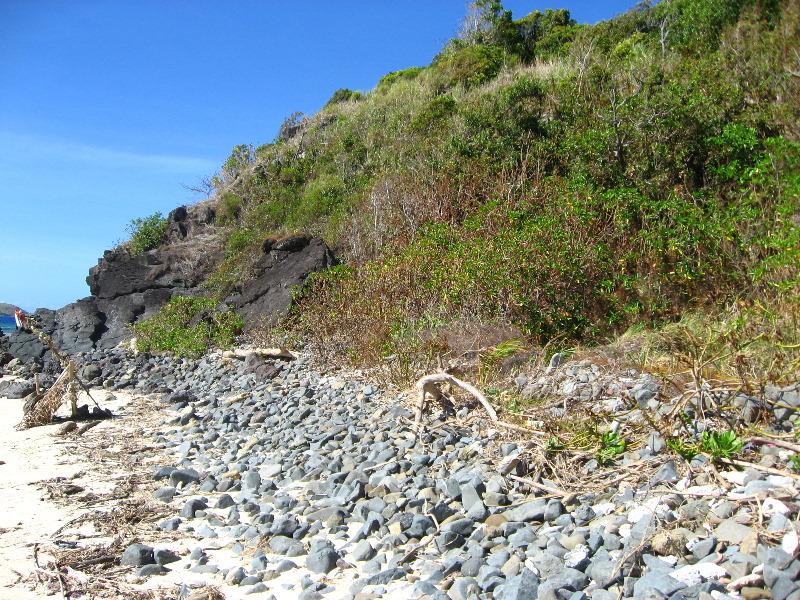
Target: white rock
{"type": "Point", "coordinates": [790, 542]}
{"type": "Point", "coordinates": [604, 508]}
{"type": "Point", "coordinates": [772, 506]}
{"type": "Point", "coordinates": [733, 476]}
{"type": "Point", "coordinates": [646, 510]}
{"type": "Point", "coordinates": [696, 574]}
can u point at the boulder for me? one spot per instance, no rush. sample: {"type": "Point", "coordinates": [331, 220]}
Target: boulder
{"type": "Point", "coordinates": [78, 326]}
{"type": "Point", "coordinates": [186, 222]}
{"type": "Point", "coordinates": [286, 266]}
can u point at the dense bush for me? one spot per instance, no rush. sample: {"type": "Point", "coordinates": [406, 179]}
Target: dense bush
{"type": "Point", "coordinates": [188, 327]}
{"type": "Point", "coordinates": [470, 66]}
{"type": "Point", "coordinates": [558, 180]}
{"type": "Point", "coordinates": [147, 233]}
{"type": "Point", "coordinates": [344, 95]}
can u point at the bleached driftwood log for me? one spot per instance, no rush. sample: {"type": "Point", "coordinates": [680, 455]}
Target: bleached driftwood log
{"type": "Point", "coordinates": [266, 352]}
{"type": "Point", "coordinates": [41, 412]}
{"type": "Point", "coordinates": [430, 385]}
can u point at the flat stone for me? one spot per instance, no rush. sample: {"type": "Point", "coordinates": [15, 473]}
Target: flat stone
{"type": "Point", "coordinates": [529, 511]}
{"type": "Point", "coordinates": [695, 574]}
{"type": "Point", "coordinates": [164, 494]}
{"type": "Point", "coordinates": [165, 557]}
{"type": "Point", "coordinates": [148, 570]}
{"type": "Point", "coordinates": [386, 576]}
{"type": "Point", "coordinates": [754, 593]}
{"type": "Point", "coordinates": [656, 580]}
{"type": "Point", "coordinates": [732, 531]}
{"type": "Point", "coordinates": [183, 477]}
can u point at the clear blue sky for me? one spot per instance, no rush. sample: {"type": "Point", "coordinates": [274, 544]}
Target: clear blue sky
{"type": "Point", "coordinates": [108, 107]}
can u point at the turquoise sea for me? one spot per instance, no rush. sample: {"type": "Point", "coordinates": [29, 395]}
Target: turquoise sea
{"type": "Point", "coordinates": [7, 323]}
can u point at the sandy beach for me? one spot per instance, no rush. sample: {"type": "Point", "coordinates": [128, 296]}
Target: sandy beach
{"type": "Point", "coordinates": [48, 481]}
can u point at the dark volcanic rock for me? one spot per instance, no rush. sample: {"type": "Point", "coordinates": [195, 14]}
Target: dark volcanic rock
{"type": "Point", "coordinates": [283, 269]}
{"type": "Point", "coordinates": [25, 346]}
{"type": "Point", "coordinates": [185, 222]}
{"type": "Point", "coordinates": [120, 274]}
{"type": "Point", "coordinates": [126, 288]}
{"type": "Point", "coordinates": [78, 326]}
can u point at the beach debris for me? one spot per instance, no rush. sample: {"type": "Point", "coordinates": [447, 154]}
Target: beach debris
{"type": "Point", "coordinates": [40, 408]}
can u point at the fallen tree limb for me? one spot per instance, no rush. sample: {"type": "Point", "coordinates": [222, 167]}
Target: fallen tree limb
{"type": "Point", "coordinates": [540, 486]}
{"type": "Point", "coordinates": [746, 465]}
{"type": "Point", "coordinates": [774, 442]}
{"type": "Point", "coordinates": [86, 427]}
{"type": "Point", "coordinates": [41, 412]}
{"type": "Point", "coordinates": [430, 385]}
{"type": "Point", "coordinates": [265, 352]}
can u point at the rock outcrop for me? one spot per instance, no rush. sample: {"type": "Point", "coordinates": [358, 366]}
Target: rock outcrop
{"type": "Point", "coordinates": [284, 266]}
{"type": "Point", "coordinates": [126, 287]}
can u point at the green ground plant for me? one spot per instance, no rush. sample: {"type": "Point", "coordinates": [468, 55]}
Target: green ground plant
{"type": "Point", "coordinates": [720, 444]}
{"type": "Point", "coordinates": [716, 445]}
{"type": "Point", "coordinates": [611, 446]}
{"type": "Point", "coordinates": [188, 327]}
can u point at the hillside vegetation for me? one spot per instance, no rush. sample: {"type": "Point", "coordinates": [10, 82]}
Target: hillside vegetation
{"type": "Point", "coordinates": [547, 182]}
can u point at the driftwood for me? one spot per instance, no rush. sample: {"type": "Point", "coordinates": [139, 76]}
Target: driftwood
{"type": "Point", "coordinates": [430, 385]}
{"type": "Point", "coordinates": [265, 352]}
{"type": "Point", "coordinates": [41, 412]}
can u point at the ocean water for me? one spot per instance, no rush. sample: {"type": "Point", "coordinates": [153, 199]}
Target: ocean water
{"type": "Point", "coordinates": [7, 323]}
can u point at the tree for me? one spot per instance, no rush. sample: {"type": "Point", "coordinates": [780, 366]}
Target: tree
{"type": "Point", "coordinates": [488, 23]}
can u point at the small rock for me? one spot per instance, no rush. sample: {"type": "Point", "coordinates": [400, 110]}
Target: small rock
{"type": "Point", "coordinates": [137, 555]}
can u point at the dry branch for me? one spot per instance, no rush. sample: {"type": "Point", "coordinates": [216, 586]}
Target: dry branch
{"type": "Point", "coordinates": [265, 352]}
{"type": "Point", "coordinates": [41, 412]}
{"type": "Point", "coordinates": [430, 385]}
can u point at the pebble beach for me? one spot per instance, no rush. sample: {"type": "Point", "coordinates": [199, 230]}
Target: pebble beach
{"type": "Point", "coordinates": [266, 478]}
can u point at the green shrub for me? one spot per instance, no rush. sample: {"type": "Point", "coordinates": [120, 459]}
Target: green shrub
{"type": "Point", "coordinates": [146, 234]}
{"type": "Point", "coordinates": [344, 95]}
{"type": "Point", "coordinates": [391, 78]}
{"type": "Point", "coordinates": [240, 240]}
{"type": "Point", "coordinates": [470, 66]}
{"type": "Point", "coordinates": [188, 327]}
{"type": "Point", "coordinates": [437, 111]}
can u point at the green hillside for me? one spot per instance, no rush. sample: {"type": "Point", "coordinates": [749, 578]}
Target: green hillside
{"type": "Point", "coordinates": [8, 309]}
{"type": "Point", "coordinates": [546, 181]}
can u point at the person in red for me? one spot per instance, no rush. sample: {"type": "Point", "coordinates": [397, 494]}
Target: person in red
{"type": "Point", "coordinates": [20, 319]}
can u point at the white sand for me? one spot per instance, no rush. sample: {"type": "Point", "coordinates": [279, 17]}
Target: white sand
{"type": "Point", "coordinates": [27, 518]}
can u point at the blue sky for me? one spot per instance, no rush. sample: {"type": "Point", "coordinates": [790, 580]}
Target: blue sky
{"type": "Point", "coordinates": [108, 108]}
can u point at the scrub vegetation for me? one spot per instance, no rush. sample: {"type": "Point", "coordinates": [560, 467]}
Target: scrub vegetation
{"type": "Point", "coordinates": [544, 180]}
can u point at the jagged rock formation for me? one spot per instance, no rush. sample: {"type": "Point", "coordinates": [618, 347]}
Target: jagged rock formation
{"type": "Point", "coordinates": [126, 287]}
{"type": "Point", "coordinates": [285, 265]}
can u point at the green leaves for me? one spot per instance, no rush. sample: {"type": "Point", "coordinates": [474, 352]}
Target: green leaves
{"type": "Point", "coordinates": [611, 445]}
{"type": "Point", "coordinates": [712, 443]}
{"type": "Point", "coordinates": [720, 445]}
{"type": "Point", "coordinates": [188, 327]}
{"type": "Point", "coordinates": [146, 234]}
